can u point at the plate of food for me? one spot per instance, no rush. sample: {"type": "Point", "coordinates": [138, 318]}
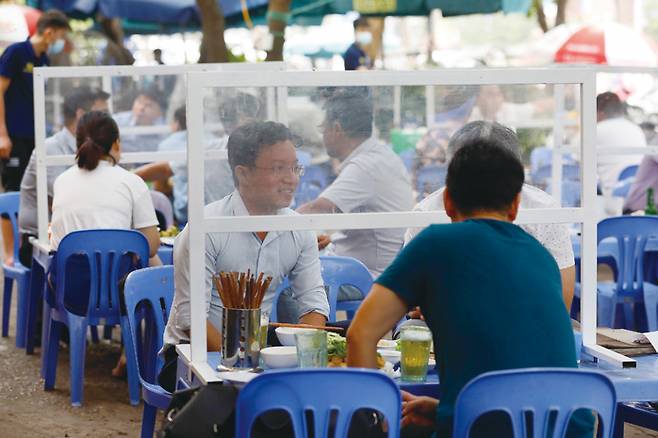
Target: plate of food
{"type": "Point", "coordinates": [387, 344]}
{"type": "Point", "coordinates": [337, 351]}
{"type": "Point", "coordinates": [168, 236]}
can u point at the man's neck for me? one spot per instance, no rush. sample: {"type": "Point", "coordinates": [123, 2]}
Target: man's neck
{"type": "Point", "coordinates": [71, 128]}
{"type": "Point", "coordinates": [254, 209]}
{"type": "Point", "coordinates": [350, 145]}
{"type": "Point", "coordinates": [483, 215]}
{"type": "Point", "coordinates": [38, 44]}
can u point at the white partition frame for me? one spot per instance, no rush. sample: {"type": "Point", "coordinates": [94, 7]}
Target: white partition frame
{"type": "Point", "coordinates": [105, 73]}
{"type": "Point", "coordinates": [200, 225]}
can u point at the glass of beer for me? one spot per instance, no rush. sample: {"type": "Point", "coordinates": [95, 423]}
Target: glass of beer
{"type": "Point", "coordinates": [415, 352]}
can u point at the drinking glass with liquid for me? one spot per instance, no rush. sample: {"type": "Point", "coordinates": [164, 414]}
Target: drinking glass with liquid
{"type": "Point", "coordinates": [415, 344]}
{"type": "Point", "coordinates": [311, 348]}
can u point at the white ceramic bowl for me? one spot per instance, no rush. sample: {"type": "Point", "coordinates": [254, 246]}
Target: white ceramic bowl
{"type": "Point", "coordinates": [387, 344]}
{"type": "Point", "coordinates": [286, 335]}
{"type": "Point", "coordinates": [392, 356]}
{"type": "Point", "coordinates": [279, 357]}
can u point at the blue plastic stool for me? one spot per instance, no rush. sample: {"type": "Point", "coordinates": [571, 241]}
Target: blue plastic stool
{"type": "Point", "coordinates": [149, 293]}
{"type": "Point", "coordinates": [334, 390]}
{"type": "Point", "coordinates": [631, 233]}
{"type": "Point", "coordinates": [544, 392]}
{"type": "Point", "coordinates": [108, 255]}
{"type": "Point", "coordinates": [9, 203]}
{"type": "Point", "coordinates": [641, 414]}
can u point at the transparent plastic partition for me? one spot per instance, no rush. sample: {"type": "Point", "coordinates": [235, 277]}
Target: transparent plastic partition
{"type": "Point", "coordinates": [370, 107]}
{"type": "Point", "coordinates": [148, 104]}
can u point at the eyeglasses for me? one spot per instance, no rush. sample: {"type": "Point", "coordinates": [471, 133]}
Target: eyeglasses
{"type": "Point", "coordinates": [297, 170]}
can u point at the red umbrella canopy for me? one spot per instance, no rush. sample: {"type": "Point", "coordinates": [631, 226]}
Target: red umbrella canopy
{"type": "Point", "coordinates": [609, 43]}
{"type": "Point", "coordinates": [17, 23]}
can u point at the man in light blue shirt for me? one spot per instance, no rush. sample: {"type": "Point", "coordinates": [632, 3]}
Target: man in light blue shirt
{"type": "Point", "coordinates": [266, 173]}
{"type": "Point", "coordinates": [79, 101]}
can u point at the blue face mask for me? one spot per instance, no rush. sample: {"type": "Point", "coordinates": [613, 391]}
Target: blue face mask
{"type": "Point", "coordinates": [56, 47]}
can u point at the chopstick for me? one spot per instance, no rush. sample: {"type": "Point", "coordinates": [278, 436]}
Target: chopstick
{"type": "Point", "coordinates": [240, 290]}
{"type": "Point", "coordinates": [307, 326]}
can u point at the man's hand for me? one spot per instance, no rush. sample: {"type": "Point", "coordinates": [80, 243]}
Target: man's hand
{"type": "Point", "coordinates": [415, 313]}
{"type": "Point", "coordinates": [323, 241]}
{"type": "Point", "coordinates": [5, 147]}
{"type": "Point", "coordinates": [418, 410]}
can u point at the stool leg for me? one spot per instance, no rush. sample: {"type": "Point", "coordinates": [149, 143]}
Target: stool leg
{"type": "Point", "coordinates": [6, 306]}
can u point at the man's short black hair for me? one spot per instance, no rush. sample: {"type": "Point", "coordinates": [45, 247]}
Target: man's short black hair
{"type": "Point", "coordinates": [54, 19]}
{"type": "Point", "coordinates": [180, 116]}
{"type": "Point", "coordinates": [361, 22]}
{"type": "Point", "coordinates": [610, 105]}
{"type": "Point", "coordinates": [484, 176]}
{"type": "Point", "coordinates": [352, 108]}
{"type": "Point", "coordinates": [246, 142]}
{"type": "Point", "coordinates": [493, 132]}
{"type": "Point", "coordinates": [81, 98]}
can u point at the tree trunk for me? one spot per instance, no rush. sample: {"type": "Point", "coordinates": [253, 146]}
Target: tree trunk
{"type": "Point", "coordinates": [213, 47]}
{"type": "Point", "coordinates": [560, 15]}
{"type": "Point", "coordinates": [541, 16]}
{"type": "Point", "coordinates": [277, 28]}
{"type": "Point", "coordinates": [374, 49]}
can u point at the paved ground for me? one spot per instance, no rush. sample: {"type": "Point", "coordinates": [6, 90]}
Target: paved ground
{"type": "Point", "coordinates": [27, 410]}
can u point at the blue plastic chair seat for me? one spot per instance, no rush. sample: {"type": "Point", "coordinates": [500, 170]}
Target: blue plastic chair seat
{"type": "Point", "coordinates": [82, 301]}
{"type": "Point", "coordinates": [531, 396]}
{"type": "Point", "coordinates": [146, 292]}
{"type": "Point", "coordinates": [342, 391]}
{"type": "Point", "coordinates": [9, 206]}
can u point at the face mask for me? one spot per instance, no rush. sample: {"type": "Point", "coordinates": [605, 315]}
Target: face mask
{"type": "Point", "coordinates": [363, 38]}
{"type": "Point", "coordinates": [56, 47]}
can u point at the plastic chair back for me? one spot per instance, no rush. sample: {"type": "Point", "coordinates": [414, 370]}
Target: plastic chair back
{"type": "Point", "coordinates": [333, 390]}
{"type": "Point", "coordinates": [149, 293]}
{"type": "Point", "coordinates": [628, 172]}
{"type": "Point", "coordinates": [430, 179]}
{"type": "Point", "coordinates": [631, 233]}
{"type": "Point", "coordinates": [105, 252]}
{"type": "Point", "coordinates": [532, 397]}
{"type": "Point", "coordinates": [303, 158]}
{"type": "Point", "coordinates": [338, 271]}
{"type": "Point", "coordinates": [9, 205]}
{"type": "Point", "coordinates": [163, 205]}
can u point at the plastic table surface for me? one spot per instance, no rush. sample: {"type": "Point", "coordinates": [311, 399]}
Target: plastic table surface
{"type": "Point", "coordinates": [430, 387]}
{"type": "Point", "coordinates": [632, 384]}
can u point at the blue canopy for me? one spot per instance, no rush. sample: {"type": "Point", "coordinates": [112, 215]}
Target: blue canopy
{"type": "Point", "coordinates": [171, 15]}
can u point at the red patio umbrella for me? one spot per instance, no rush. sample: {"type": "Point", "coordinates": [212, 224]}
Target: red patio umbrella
{"type": "Point", "coordinates": [609, 43]}
{"type": "Point", "coordinates": [17, 23]}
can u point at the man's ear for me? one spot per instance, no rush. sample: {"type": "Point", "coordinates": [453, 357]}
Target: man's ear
{"type": "Point", "coordinates": [514, 208]}
{"type": "Point", "coordinates": [449, 205]}
{"type": "Point", "coordinates": [241, 173]}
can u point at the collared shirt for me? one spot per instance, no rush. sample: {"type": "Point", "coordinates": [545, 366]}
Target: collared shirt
{"type": "Point", "coordinates": [218, 175]}
{"type": "Point", "coordinates": [62, 143]}
{"type": "Point", "coordinates": [616, 132]}
{"type": "Point", "coordinates": [371, 179]}
{"type": "Point", "coordinates": [554, 237]}
{"type": "Point", "coordinates": [17, 63]}
{"type": "Point", "coordinates": [292, 254]}
{"type": "Point", "coordinates": [135, 142]}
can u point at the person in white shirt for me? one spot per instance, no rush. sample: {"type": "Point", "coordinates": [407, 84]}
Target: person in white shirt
{"type": "Point", "coordinates": [76, 103]}
{"type": "Point", "coordinates": [554, 237]}
{"type": "Point", "coordinates": [96, 193]}
{"type": "Point", "coordinates": [147, 110]}
{"type": "Point", "coordinates": [614, 130]}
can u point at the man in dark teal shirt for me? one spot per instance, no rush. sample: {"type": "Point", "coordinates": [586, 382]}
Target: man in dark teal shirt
{"type": "Point", "coordinates": [490, 293]}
